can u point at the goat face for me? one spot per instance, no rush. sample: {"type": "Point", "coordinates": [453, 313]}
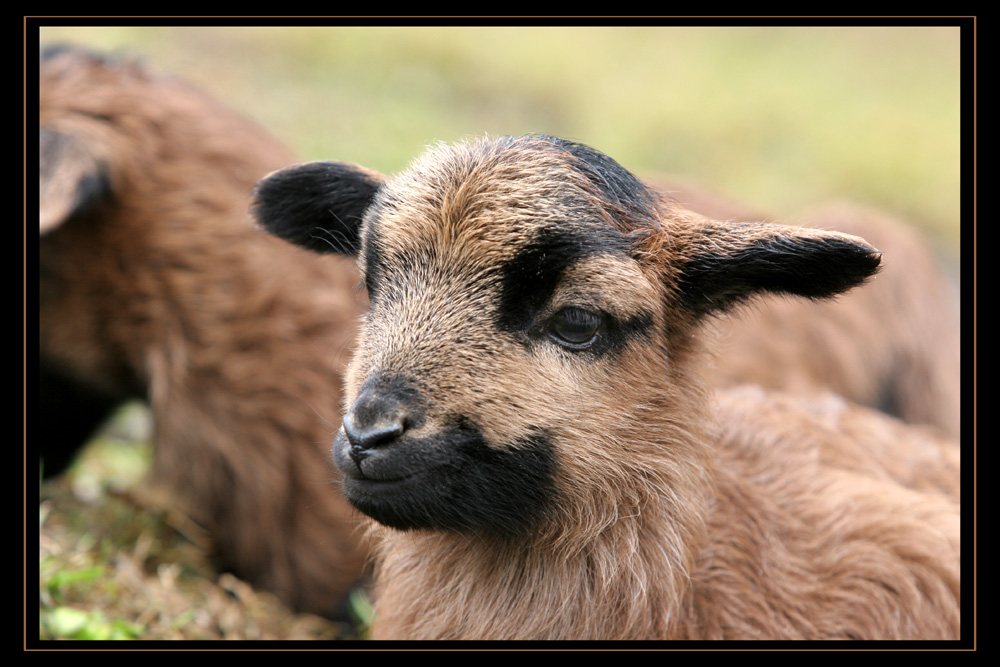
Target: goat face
{"type": "Point", "coordinates": [531, 311]}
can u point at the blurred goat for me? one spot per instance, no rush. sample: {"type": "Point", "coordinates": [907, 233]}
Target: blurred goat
{"type": "Point", "coordinates": [154, 285]}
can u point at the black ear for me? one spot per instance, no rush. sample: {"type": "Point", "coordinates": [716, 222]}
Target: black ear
{"type": "Point", "coordinates": [71, 178]}
{"type": "Point", "coordinates": [317, 205]}
{"type": "Point", "coordinates": [724, 264]}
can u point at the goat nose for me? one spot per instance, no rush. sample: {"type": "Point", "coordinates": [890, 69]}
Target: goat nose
{"type": "Point", "coordinates": [372, 435]}
{"type": "Point", "coordinates": [365, 437]}
{"type": "Point", "coordinates": [387, 405]}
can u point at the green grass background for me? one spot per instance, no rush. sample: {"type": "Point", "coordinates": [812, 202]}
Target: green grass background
{"type": "Point", "coordinates": [782, 118]}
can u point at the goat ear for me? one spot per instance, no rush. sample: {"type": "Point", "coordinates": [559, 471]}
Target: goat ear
{"type": "Point", "coordinates": [317, 205]}
{"type": "Point", "coordinates": [724, 264]}
{"type": "Point", "coordinates": [71, 178]}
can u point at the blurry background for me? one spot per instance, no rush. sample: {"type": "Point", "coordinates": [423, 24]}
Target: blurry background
{"type": "Point", "coordinates": [781, 118]}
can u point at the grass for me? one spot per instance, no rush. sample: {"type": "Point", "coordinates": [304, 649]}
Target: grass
{"type": "Point", "coordinates": [118, 569]}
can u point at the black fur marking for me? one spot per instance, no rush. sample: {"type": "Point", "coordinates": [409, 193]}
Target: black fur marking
{"type": "Point", "coordinates": [813, 267]}
{"type": "Point", "coordinates": [318, 205]}
{"type": "Point", "coordinates": [617, 335]}
{"type": "Point", "coordinates": [373, 259]}
{"type": "Point", "coordinates": [619, 188]}
{"type": "Point", "coordinates": [453, 481]}
{"type": "Point", "coordinates": [529, 279]}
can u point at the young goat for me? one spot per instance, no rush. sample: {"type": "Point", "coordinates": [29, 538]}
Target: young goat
{"type": "Point", "coordinates": [528, 424]}
{"type": "Point", "coordinates": [153, 284]}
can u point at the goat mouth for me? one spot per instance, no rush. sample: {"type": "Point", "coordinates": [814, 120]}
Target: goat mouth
{"type": "Point", "coordinates": [395, 463]}
{"type": "Point", "coordinates": [452, 481]}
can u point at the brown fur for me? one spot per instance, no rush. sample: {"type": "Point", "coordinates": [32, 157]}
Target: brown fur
{"type": "Point", "coordinates": [160, 288]}
{"type": "Point", "coordinates": [670, 515]}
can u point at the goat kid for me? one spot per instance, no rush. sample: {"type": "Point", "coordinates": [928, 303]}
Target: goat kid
{"type": "Point", "coordinates": [528, 425]}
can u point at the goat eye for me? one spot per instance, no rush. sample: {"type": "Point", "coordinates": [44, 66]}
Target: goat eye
{"type": "Point", "coordinates": [574, 327]}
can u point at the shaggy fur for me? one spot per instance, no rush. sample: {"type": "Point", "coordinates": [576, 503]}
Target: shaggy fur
{"type": "Point", "coordinates": [154, 285]}
{"type": "Point", "coordinates": [531, 365]}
